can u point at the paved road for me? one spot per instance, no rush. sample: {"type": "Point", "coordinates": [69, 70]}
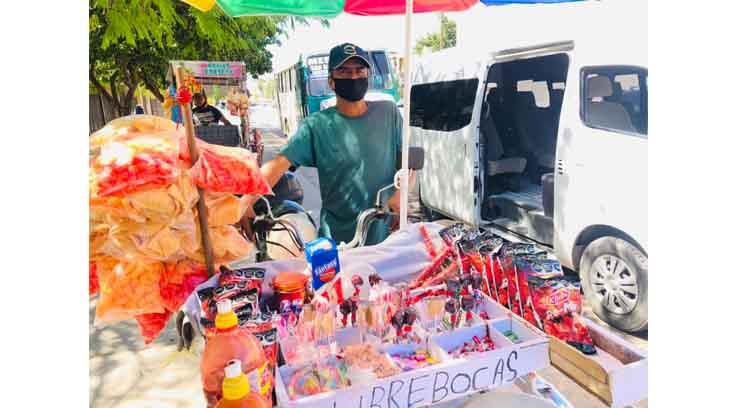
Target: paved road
{"type": "Point", "coordinates": [126, 374]}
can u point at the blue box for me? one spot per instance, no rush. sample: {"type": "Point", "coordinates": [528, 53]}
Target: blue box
{"type": "Point", "coordinates": [323, 258]}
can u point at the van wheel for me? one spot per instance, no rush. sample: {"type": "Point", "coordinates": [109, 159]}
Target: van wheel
{"type": "Point", "coordinates": [614, 276]}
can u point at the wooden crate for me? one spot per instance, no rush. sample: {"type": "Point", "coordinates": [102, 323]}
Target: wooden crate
{"type": "Point", "coordinates": [617, 374]}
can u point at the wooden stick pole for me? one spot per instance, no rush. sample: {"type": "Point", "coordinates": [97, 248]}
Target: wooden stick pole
{"type": "Point", "coordinates": [201, 209]}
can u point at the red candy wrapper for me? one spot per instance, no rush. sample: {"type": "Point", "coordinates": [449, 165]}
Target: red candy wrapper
{"type": "Point", "coordinates": [152, 324]}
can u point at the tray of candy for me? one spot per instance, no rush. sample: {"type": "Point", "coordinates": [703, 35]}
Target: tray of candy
{"type": "Point", "coordinates": [444, 367]}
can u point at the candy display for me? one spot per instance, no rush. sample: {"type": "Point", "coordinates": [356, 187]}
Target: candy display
{"type": "Point", "coordinates": [475, 345]}
{"type": "Point", "coordinates": [520, 276]}
{"type": "Point", "coordinates": [367, 357]}
{"type": "Point", "coordinates": [326, 375]}
{"type": "Point", "coordinates": [512, 336]}
{"type": "Point", "coordinates": [412, 361]}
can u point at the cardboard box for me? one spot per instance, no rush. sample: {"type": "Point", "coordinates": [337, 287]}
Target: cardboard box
{"type": "Point", "coordinates": [451, 379]}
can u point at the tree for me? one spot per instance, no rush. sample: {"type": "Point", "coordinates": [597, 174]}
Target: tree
{"type": "Point", "coordinates": [131, 43]}
{"type": "Point", "coordinates": [445, 38]}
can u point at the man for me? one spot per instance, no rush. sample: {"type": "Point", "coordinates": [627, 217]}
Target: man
{"type": "Point", "coordinates": [206, 114]}
{"type": "Point", "coordinates": [354, 146]}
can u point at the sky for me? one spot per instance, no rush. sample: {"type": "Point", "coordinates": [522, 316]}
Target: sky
{"type": "Point", "coordinates": [366, 32]}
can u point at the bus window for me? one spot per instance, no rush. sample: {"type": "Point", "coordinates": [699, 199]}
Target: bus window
{"type": "Point", "coordinates": [380, 78]}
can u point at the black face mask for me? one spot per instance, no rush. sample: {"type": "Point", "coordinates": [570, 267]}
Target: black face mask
{"type": "Point", "coordinates": [351, 89]}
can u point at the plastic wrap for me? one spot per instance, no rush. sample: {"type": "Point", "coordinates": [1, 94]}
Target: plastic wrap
{"type": "Point", "coordinates": [228, 245]}
{"type": "Point", "coordinates": [133, 153]}
{"type": "Point", "coordinates": [127, 289]}
{"type": "Point", "coordinates": [152, 324]}
{"type": "Point", "coordinates": [223, 169]}
{"type": "Point", "coordinates": [178, 280]}
{"type": "Point", "coordinates": [223, 209]}
{"type": "Point", "coordinates": [93, 279]}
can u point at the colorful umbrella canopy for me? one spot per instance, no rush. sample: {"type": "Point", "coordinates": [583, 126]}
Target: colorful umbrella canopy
{"type": "Point", "coordinates": [331, 8]}
{"type": "Point", "coordinates": [504, 2]}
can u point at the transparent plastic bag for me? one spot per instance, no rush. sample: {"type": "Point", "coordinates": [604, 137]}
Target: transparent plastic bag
{"type": "Point", "coordinates": [127, 289]}
{"type": "Point", "coordinates": [225, 169]}
{"type": "Point", "coordinates": [152, 324]}
{"type": "Point", "coordinates": [223, 209]}
{"type": "Point", "coordinates": [178, 280]}
{"type": "Point", "coordinates": [228, 245]}
{"type": "Point", "coordinates": [133, 153]}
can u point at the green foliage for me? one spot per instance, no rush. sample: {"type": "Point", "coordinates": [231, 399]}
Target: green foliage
{"type": "Point", "coordinates": [445, 38]}
{"type": "Point", "coordinates": [131, 43]}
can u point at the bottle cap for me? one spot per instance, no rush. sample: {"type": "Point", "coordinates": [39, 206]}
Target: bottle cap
{"type": "Point", "coordinates": [233, 369]}
{"type": "Point", "coordinates": [225, 318]}
{"type": "Point", "coordinates": [235, 388]}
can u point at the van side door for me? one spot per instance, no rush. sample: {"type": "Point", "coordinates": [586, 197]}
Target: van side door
{"type": "Point", "coordinates": [444, 119]}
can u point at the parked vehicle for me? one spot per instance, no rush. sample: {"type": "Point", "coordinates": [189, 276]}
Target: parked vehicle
{"type": "Point", "coordinates": [302, 89]}
{"type": "Point", "coordinates": [549, 142]}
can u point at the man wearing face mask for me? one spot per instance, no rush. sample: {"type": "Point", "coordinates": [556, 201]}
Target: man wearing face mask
{"type": "Point", "coordinates": [354, 146]}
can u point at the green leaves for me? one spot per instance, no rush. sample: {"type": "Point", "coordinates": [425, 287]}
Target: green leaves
{"type": "Point", "coordinates": [132, 41]}
{"type": "Point", "coordinates": [445, 38]}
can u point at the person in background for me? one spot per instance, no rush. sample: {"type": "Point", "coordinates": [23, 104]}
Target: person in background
{"type": "Point", "coordinates": [206, 114]}
{"type": "Point", "coordinates": [139, 110]}
{"type": "Point", "coordinates": [354, 146]}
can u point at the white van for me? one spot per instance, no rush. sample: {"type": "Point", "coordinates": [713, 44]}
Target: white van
{"type": "Point", "coordinates": [550, 144]}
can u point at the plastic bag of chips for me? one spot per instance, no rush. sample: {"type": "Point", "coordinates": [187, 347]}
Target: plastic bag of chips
{"type": "Point", "coordinates": [227, 243]}
{"type": "Point", "coordinates": [223, 209]}
{"type": "Point", "coordinates": [152, 324]}
{"type": "Point", "coordinates": [178, 280]}
{"type": "Point", "coordinates": [225, 169]}
{"type": "Point", "coordinates": [133, 153]}
{"type": "Point", "coordinates": [127, 289]}
{"type": "Point", "coordinates": [93, 279]}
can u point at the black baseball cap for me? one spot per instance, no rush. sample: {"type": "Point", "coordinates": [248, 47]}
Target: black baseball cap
{"type": "Point", "coordinates": [343, 52]}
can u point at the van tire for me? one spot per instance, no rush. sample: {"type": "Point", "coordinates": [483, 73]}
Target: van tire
{"type": "Point", "coordinates": [633, 271]}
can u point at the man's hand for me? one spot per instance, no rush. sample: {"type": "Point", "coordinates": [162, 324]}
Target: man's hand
{"type": "Point", "coordinates": [272, 172]}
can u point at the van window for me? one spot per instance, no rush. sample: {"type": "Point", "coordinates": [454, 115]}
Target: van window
{"type": "Point", "coordinates": [615, 98]}
{"type": "Point", "coordinates": [539, 89]}
{"type": "Point", "coordinates": [444, 106]}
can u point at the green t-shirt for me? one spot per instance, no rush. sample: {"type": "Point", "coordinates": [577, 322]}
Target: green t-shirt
{"type": "Point", "coordinates": [355, 157]}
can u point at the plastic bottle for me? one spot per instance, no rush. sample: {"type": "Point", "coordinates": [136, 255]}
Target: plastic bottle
{"type": "Point", "coordinates": [230, 342]}
{"type": "Point", "coordinates": [237, 391]}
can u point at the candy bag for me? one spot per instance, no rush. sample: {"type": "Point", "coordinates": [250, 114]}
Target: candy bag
{"type": "Point", "coordinates": [127, 289]}
{"type": "Point", "coordinates": [152, 324]}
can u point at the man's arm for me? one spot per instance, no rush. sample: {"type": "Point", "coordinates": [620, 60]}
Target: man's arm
{"type": "Point", "coordinates": [222, 117]}
{"type": "Point", "coordinates": [272, 172]}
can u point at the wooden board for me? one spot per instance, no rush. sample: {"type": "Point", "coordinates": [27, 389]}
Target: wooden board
{"type": "Point", "coordinates": [575, 357]}
{"type": "Point", "coordinates": [596, 387]}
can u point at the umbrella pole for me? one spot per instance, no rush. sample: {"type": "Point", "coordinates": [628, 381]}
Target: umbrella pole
{"type": "Point", "coordinates": [404, 174]}
{"type": "Point", "coordinates": [202, 212]}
